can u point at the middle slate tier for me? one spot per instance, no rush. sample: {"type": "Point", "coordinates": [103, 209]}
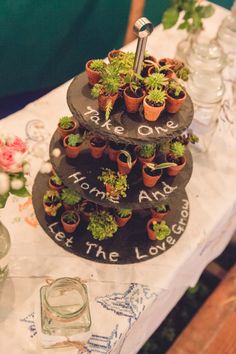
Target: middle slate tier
{"type": "Point", "coordinates": [81, 174]}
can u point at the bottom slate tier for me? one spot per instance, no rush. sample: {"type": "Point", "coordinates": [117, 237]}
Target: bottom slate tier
{"type": "Point", "coordinates": [130, 244]}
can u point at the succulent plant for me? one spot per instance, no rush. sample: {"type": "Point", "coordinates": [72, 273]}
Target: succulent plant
{"type": "Point", "coordinates": [177, 149]}
{"type": "Point", "coordinates": [102, 225]}
{"type": "Point", "coordinates": [117, 181]}
{"type": "Point", "coordinates": [66, 122]}
{"type": "Point", "coordinates": [70, 197]}
{"type": "Point", "coordinates": [147, 150]}
{"type": "Point", "coordinates": [156, 96]}
{"type": "Point", "coordinates": [97, 65]}
{"type": "Point", "coordinates": [155, 81]}
{"type": "Point", "coordinates": [124, 212]}
{"type": "Point", "coordinates": [161, 230]}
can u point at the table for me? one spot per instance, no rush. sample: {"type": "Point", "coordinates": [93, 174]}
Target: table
{"type": "Point", "coordinates": [127, 303]}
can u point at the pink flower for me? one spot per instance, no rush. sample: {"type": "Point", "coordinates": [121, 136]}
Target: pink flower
{"type": "Point", "coordinates": [17, 144]}
{"type": "Point", "coordinates": [7, 160]}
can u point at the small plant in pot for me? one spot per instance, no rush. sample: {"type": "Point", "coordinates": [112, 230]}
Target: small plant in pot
{"type": "Point", "coordinates": [176, 155]}
{"type": "Point", "coordinates": [72, 144]}
{"type": "Point", "coordinates": [133, 93]}
{"type": "Point", "coordinates": [176, 96]}
{"type": "Point", "coordinates": [154, 104]}
{"type": "Point", "coordinates": [97, 146]}
{"type": "Point", "coordinates": [146, 153]}
{"type": "Point", "coordinates": [115, 183]}
{"type": "Point", "coordinates": [115, 53]}
{"type": "Point", "coordinates": [70, 198]}
{"type": "Point", "coordinates": [102, 225]}
{"type": "Point", "coordinates": [87, 208]}
{"type": "Point", "coordinates": [66, 126]}
{"type": "Point", "coordinates": [94, 68]}
{"type": "Point", "coordinates": [165, 70]}
{"type": "Point", "coordinates": [186, 138]}
{"type": "Point", "coordinates": [147, 63]}
{"type": "Point", "coordinates": [157, 230]}
{"type": "Point", "coordinates": [126, 161]}
{"type": "Point", "coordinates": [155, 81]}
{"type": "Point", "coordinates": [56, 183]}
{"type": "Point", "coordinates": [122, 216]}
{"type": "Point", "coordinates": [152, 172]}
{"type": "Point", "coordinates": [70, 221]}
{"type": "Point", "coordinates": [51, 202]}
{"type": "Point", "coordinates": [114, 149]}
{"type": "Point", "coordinates": [160, 211]}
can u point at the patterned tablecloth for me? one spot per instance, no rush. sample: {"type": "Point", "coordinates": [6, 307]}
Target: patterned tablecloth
{"type": "Point", "coordinates": [127, 302]}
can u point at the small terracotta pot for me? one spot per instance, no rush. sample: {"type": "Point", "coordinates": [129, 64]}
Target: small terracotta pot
{"type": "Point", "coordinates": [71, 151]}
{"type": "Point", "coordinates": [152, 113]}
{"type": "Point", "coordinates": [168, 61]}
{"type": "Point", "coordinates": [121, 90]}
{"type": "Point", "coordinates": [54, 187]}
{"type": "Point", "coordinates": [123, 167]}
{"type": "Point", "coordinates": [170, 74]}
{"type": "Point", "coordinates": [151, 233]}
{"type": "Point", "coordinates": [64, 132]}
{"type": "Point", "coordinates": [150, 181]}
{"type": "Point", "coordinates": [132, 104]}
{"type": "Point", "coordinates": [113, 53]}
{"type": "Point", "coordinates": [93, 75]}
{"type": "Point", "coordinates": [103, 100]}
{"type": "Point", "coordinates": [143, 160]}
{"type": "Point", "coordinates": [122, 221]}
{"type": "Point", "coordinates": [69, 228]}
{"type": "Point", "coordinates": [68, 207]}
{"type": "Point", "coordinates": [85, 215]}
{"type": "Point", "coordinates": [175, 170]}
{"type": "Point", "coordinates": [97, 151]}
{"type": "Point", "coordinates": [145, 69]}
{"type": "Point", "coordinates": [111, 192]}
{"type": "Point", "coordinates": [113, 153]}
{"type": "Point", "coordinates": [173, 105]}
{"type": "Point", "coordinates": [159, 216]}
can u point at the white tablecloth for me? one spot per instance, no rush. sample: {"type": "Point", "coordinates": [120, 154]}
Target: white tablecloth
{"type": "Point", "coordinates": [127, 302]}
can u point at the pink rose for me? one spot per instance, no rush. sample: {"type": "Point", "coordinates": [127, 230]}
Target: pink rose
{"type": "Point", "coordinates": [7, 160]}
{"type": "Point", "coordinates": [17, 144]}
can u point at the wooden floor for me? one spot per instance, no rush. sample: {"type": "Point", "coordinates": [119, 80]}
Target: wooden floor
{"type": "Point", "coordinates": [213, 328]}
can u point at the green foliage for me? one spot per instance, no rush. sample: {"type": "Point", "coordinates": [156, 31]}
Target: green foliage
{"type": "Point", "coordinates": [161, 208]}
{"type": "Point", "coordinates": [102, 225]}
{"type": "Point", "coordinates": [96, 90]}
{"type": "Point", "coordinates": [147, 150]}
{"type": "Point", "coordinates": [177, 149]}
{"type": "Point", "coordinates": [175, 88]}
{"type": "Point", "coordinates": [70, 217]}
{"type": "Point", "coordinates": [75, 139]}
{"type": "Point", "coordinates": [156, 96]}
{"type": "Point", "coordinates": [183, 73]}
{"type": "Point", "coordinates": [117, 181]}
{"type": "Point", "coordinates": [133, 79]}
{"type": "Point", "coordinates": [108, 110]}
{"type": "Point", "coordinates": [66, 122]}
{"type": "Point", "coordinates": [70, 197]}
{"type": "Point", "coordinates": [193, 14]}
{"type": "Point", "coordinates": [161, 230]}
{"type": "Point", "coordinates": [51, 196]}
{"type": "Point", "coordinates": [56, 179]}
{"type": "Point", "coordinates": [155, 81]}
{"type": "Point", "coordinates": [160, 166]}
{"type": "Point", "coordinates": [187, 138]}
{"type": "Point", "coordinates": [124, 213]}
{"type": "Point", "coordinates": [97, 65]}
{"type": "Point", "coordinates": [124, 62]}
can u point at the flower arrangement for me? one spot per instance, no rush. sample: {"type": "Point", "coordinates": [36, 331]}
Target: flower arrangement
{"type": "Point", "coordinates": [13, 167]}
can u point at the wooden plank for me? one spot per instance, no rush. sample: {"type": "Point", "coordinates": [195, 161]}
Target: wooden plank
{"type": "Point", "coordinates": [213, 328]}
{"type": "Point", "coordinates": [136, 11]}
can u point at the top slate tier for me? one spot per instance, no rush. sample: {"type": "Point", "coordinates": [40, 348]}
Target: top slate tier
{"type": "Point", "coordinates": [128, 128]}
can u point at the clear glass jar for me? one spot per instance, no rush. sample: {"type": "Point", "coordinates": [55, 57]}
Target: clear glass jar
{"type": "Point", "coordinates": [5, 243]}
{"type": "Point", "coordinates": [65, 307]}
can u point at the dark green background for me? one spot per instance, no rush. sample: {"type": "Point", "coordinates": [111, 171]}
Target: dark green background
{"type": "Point", "coordinates": [44, 43]}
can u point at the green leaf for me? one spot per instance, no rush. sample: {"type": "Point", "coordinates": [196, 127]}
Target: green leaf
{"type": "Point", "coordinates": [170, 17]}
{"type": "Point", "coordinates": [3, 200]}
{"type": "Point", "coordinates": [23, 192]}
{"type": "Point", "coordinates": [183, 25]}
{"type": "Point", "coordinates": [206, 11]}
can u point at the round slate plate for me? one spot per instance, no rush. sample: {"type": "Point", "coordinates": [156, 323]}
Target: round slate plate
{"type": "Point", "coordinates": [129, 128]}
{"type": "Point", "coordinates": [129, 245]}
{"type": "Point", "coordinates": [81, 174]}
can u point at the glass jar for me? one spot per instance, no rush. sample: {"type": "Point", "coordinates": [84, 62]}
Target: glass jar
{"type": "Point", "coordinates": [65, 307]}
{"type": "Point", "coordinates": [5, 243]}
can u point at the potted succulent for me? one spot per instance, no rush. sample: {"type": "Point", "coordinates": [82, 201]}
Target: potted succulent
{"type": "Point", "coordinates": [133, 93]}
{"type": "Point", "coordinates": [115, 183]}
{"type": "Point", "coordinates": [66, 126]}
{"type": "Point", "coordinates": [152, 172]}
{"type": "Point", "coordinates": [147, 63]}
{"type": "Point", "coordinates": [176, 96]}
{"type": "Point", "coordinates": [70, 198]}
{"type": "Point", "coordinates": [107, 89]}
{"type": "Point", "coordinates": [70, 220]}
{"type": "Point", "coordinates": [114, 149]}
{"type": "Point", "coordinates": [114, 54]}
{"type": "Point", "coordinates": [154, 104]}
{"type": "Point", "coordinates": [157, 230]}
{"type": "Point", "coordinates": [122, 216]}
{"type": "Point", "coordinates": [167, 61]}
{"type": "Point", "coordinates": [176, 155]}
{"type": "Point", "coordinates": [72, 144]}
{"type": "Point", "coordinates": [55, 183]}
{"type": "Point", "coordinates": [186, 138]}
{"type": "Point", "coordinates": [102, 225]}
{"type": "Point", "coordinates": [126, 161]}
{"type": "Point", "coordinates": [93, 69]}
{"type": "Point", "coordinates": [146, 153]}
{"type": "Point", "coordinates": [97, 146]}
{"type": "Point", "coordinates": [51, 202]}
{"type": "Point", "coordinates": [165, 70]}
{"type": "Point", "coordinates": [160, 211]}
{"type": "Point", "coordinates": [155, 81]}
{"type": "Point", "coordinates": [87, 208]}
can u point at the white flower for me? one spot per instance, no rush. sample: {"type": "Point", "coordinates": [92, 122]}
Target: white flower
{"type": "Point", "coordinates": [4, 183]}
{"type": "Point", "coordinates": [56, 152]}
{"type": "Point", "coordinates": [46, 167]}
{"type": "Point", "coordinates": [17, 184]}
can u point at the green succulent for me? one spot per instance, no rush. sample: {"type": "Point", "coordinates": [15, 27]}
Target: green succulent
{"type": "Point", "coordinates": [161, 230]}
{"type": "Point", "coordinates": [70, 197]}
{"type": "Point", "coordinates": [66, 122]}
{"type": "Point", "coordinates": [147, 150]}
{"type": "Point", "coordinates": [97, 65]}
{"type": "Point", "coordinates": [51, 196]}
{"type": "Point", "coordinates": [70, 217]}
{"type": "Point", "coordinates": [102, 225]}
{"type": "Point", "coordinates": [75, 139]}
{"type": "Point", "coordinates": [124, 212]}
{"type": "Point", "coordinates": [117, 181]}
{"type": "Point", "coordinates": [161, 208]}
{"type": "Point", "coordinates": [124, 62]}
{"type": "Point", "coordinates": [177, 149]}
{"type": "Point", "coordinates": [57, 180]}
{"type": "Point", "coordinates": [155, 81]}
{"type": "Point", "coordinates": [156, 96]}
{"type": "Point", "coordinates": [175, 87]}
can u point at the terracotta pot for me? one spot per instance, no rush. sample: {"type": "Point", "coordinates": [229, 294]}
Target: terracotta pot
{"type": "Point", "coordinates": [113, 153]}
{"type": "Point", "coordinates": [152, 113]}
{"type": "Point", "coordinates": [68, 207]}
{"type": "Point", "coordinates": [174, 170]}
{"type": "Point", "coordinates": [143, 160]}
{"type": "Point", "coordinates": [113, 53]}
{"type": "Point", "coordinates": [93, 75]}
{"type": "Point", "coordinates": [97, 151]}
{"type": "Point", "coordinates": [144, 72]}
{"type": "Point", "coordinates": [103, 100]}
{"type": "Point", "coordinates": [64, 132]}
{"type": "Point", "coordinates": [85, 214]}
{"type": "Point", "coordinates": [121, 90]}
{"type": "Point", "coordinates": [173, 105]}
{"type": "Point", "coordinates": [168, 61]}
{"type": "Point", "coordinates": [123, 167]}
{"type": "Point", "coordinates": [132, 104]}
{"type": "Point", "coordinates": [151, 233]}
{"type": "Point", "coordinates": [148, 180]}
{"type": "Point", "coordinates": [71, 151]}
{"type": "Point", "coordinates": [158, 216]}
{"type": "Point", "coordinates": [69, 228]}
{"type": "Point", "coordinates": [122, 221]}
{"type": "Point", "coordinates": [111, 192]}
{"type": "Point", "coordinates": [54, 187]}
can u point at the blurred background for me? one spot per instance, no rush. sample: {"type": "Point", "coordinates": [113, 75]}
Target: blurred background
{"type": "Point", "coordinates": [45, 43]}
